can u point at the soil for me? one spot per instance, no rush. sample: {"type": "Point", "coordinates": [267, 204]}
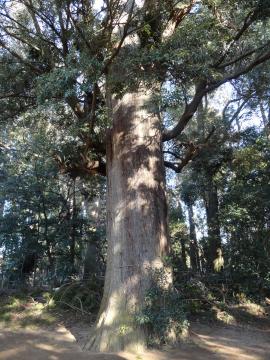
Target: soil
{"type": "Point", "coordinates": [241, 340]}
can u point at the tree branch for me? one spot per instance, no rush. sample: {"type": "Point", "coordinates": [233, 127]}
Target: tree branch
{"type": "Point", "coordinates": [119, 46]}
{"type": "Point", "coordinates": [178, 15]}
{"type": "Point", "coordinates": [247, 22]}
{"type": "Point", "coordinates": [19, 57]}
{"type": "Point", "coordinates": [205, 88]}
{"type": "Point", "coordinates": [241, 57]}
{"type": "Point", "coordinates": [188, 113]}
{"type": "Point", "coordinates": [193, 151]}
{"type": "Point", "coordinates": [177, 156]}
{"type": "Point", "coordinates": [258, 61]}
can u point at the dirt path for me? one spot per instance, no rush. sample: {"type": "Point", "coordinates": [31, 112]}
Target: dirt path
{"type": "Point", "coordinates": [57, 343]}
{"type": "Point", "coordinates": [29, 332]}
{"type": "Point", "coordinates": [234, 342]}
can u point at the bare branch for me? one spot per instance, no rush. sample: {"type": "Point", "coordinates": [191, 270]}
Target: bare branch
{"type": "Point", "coordinates": [177, 156]}
{"type": "Point", "coordinates": [172, 166]}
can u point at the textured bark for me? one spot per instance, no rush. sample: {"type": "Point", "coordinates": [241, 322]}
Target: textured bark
{"type": "Point", "coordinates": [136, 222]}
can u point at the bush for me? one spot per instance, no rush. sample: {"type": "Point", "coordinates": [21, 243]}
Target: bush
{"type": "Point", "coordinates": [83, 296]}
{"type": "Point", "coordinates": [163, 316]}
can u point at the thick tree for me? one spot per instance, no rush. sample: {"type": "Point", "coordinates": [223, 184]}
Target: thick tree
{"type": "Point", "coordinates": [110, 65]}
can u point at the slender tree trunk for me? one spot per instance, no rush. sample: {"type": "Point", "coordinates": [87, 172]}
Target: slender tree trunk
{"type": "Point", "coordinates": [265, 118]}
{"type": "Point", "coordinates": [2, 205]}
{"type": "Point", "coordinates": [136, 222]}
{"type": "Point", "coordinates": [214, 239]}
{"type": "Point", "coordinates": [183, 254]}
{"type": "Point", "coordinates": [46, 237]}
{"type": "Point", "coordinates": [73, 229]}
{"type": "Point", "coordinates": [91, 263]}
{"type": "Point", "coordinates": [194, 250]}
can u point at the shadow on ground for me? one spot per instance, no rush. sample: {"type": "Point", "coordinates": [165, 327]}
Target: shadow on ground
{"type": "Point", "coordinates": [43, 345]}
{"type": "Point", "coordinates": [30, 332]}
{"type": "Point", "coordinates": [233, 342]}
{"type": "Point", "coordinates": [60, 345]}
{"type": "Point", "coordinates": [209, 343]}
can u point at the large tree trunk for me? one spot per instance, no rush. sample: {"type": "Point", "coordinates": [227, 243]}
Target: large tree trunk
{"type": "Point", "coordinates": [136, 222]}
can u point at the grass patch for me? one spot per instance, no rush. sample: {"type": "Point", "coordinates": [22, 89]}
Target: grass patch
{"type": "Point", "coordinates": [22, 311]}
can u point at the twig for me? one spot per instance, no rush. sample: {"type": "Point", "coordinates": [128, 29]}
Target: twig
{"type": "Point", "coordinates": [74, 307]}
{"type": "Point", "coordinates": [77, 297]}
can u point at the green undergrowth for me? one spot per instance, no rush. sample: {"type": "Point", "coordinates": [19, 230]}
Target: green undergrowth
{"type": "Point", "coordinates": [208, 299]}
{"type": "Point", "coordinates": [166, 315]}
{"type": "Point", "coordinates": [83, 297]}
{"type": "Point", "coordinates": [163, 316]}
{"type": "Point", "coordinates": [168, 310]}
{"type": "Point", "coordinates": [33, 308]}
{"type": "Point", "coordinates": [21, 310]}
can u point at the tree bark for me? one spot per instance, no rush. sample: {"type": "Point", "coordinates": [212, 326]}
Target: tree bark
{"type": "Point", "coordinates": [136, 222]}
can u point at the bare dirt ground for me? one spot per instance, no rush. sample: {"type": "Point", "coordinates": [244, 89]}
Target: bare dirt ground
{"type": "Point", "coordinates": [54, 341]}
{"type": "Point", "coordinates": [224, 343]}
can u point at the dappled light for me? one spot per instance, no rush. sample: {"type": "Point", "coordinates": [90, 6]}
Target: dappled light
{"type": "Point", "coordinates": [130, 210]}
{"type": "Point", "coordinates": [43, 346]}
{"type": "Point", "coordinates": [134, 179]}
{"type": "Point", "coordinates": [233, 343]}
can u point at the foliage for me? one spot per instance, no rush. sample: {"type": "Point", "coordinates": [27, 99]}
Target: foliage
{"type": "Point", "coordinates": [245, 213]}
{"type": "Point", "coordinates": [163, 315]}
{"type": "Point", "coordinates": [20, 310]}
{"type": "Point", "coordinates": [82, 296]}
{"type": "Point", "coordinates": [178, 237]}
{"type": "Point", "coordinates": [61, 64]}
{"type": "Point", "coordinates": [44, 230]}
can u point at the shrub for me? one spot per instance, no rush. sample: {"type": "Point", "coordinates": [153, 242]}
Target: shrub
{"type": "Point", "coordinates": [163, 316]}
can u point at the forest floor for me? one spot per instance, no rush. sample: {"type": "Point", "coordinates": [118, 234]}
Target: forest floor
{"type": "Point", "coordinates": [29, 332]}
